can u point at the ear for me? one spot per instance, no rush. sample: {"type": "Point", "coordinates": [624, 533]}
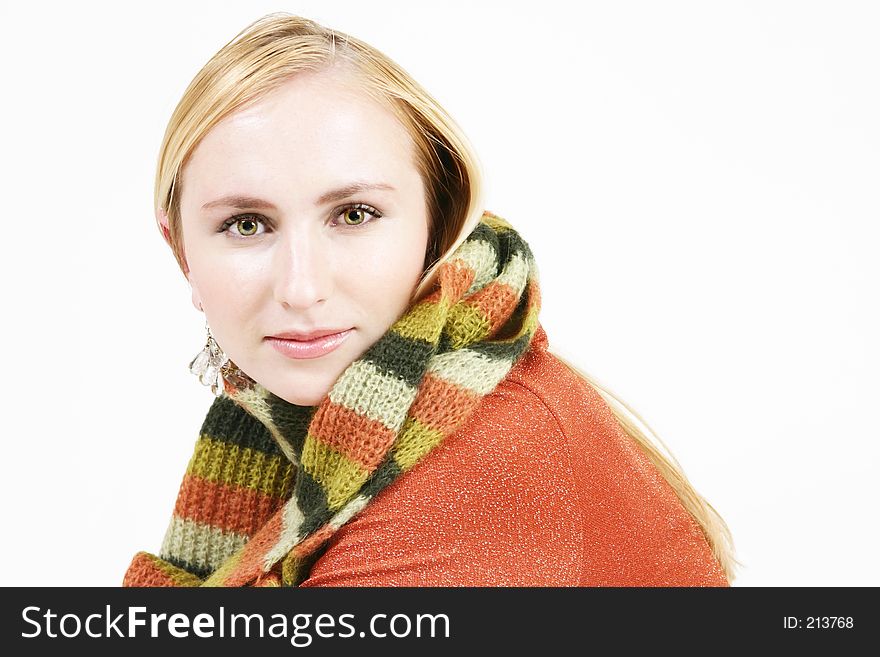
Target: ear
{"type": "Point", "coordinates": [162, 220]}
{"type": "Point", "coordinates": [196, 297]}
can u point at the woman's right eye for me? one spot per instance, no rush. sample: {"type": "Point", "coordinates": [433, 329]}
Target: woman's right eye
{"type": "Point", "coordinates": [244, 225]}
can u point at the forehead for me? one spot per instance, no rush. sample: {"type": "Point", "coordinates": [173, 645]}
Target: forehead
{"type": "Point", "coordinates": [316, 127]}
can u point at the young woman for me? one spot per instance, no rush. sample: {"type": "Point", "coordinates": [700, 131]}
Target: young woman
{"type": "Point", "coordinates": [389, 412]}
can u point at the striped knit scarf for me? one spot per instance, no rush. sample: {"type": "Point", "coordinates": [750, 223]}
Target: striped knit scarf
{"type": "Point", "coordinates": [271, 482]}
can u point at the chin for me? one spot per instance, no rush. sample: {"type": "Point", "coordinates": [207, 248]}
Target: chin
{"type": "Point", "coordinates": [299, 398]}
{"type": "Point", "coordinates": [297, 401]}
{"type": "Point", "coordinates": [300, 388]}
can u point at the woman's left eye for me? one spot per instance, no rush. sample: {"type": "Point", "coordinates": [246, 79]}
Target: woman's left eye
{"type": "Point", "coordinates": [245, 225]}
{"type": "Point", "coordinates": [354, 215]}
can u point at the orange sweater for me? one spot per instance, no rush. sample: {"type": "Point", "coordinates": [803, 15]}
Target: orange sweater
{"type": "Point", "coordinates": [540, 488]}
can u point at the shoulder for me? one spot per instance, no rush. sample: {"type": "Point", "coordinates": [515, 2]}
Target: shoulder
{"type": "Point", "coordinates": [636, 531]}
{"type": "Point", "coordinates": [556, 391]}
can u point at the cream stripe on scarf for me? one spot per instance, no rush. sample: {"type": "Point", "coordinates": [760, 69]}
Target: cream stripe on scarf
{"type": "Point", "coordinates": [389, 409]}
{"type": "Point", "coordinates": [470, 370]}
{"type": "Point", "coordinates": [199, 544]}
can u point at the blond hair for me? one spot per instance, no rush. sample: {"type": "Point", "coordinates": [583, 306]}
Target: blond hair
{"type": "Point", "coordinates": [272, 49]}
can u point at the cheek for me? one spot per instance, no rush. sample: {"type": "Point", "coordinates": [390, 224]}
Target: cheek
{"type": "Point", "coordinates": [228, 285]}
{"type": "Point", "coordinates": [392, 272]}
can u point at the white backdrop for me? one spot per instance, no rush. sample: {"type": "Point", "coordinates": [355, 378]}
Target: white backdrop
{"type": "Point", "coordinates": [698, 181]}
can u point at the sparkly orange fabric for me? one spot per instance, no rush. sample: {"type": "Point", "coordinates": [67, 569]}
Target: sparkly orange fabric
{"type": "Point", "coordinates": [541, 488]}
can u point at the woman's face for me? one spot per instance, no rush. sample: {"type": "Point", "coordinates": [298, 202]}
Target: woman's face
{"type": "Point", "coordinates": [279, 241]}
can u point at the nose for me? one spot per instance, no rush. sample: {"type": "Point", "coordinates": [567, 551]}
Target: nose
{"type": "Point", "coordinates": [302, 270]}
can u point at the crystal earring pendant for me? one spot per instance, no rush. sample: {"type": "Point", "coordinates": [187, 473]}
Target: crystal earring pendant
{"type": "Point", "coordinates": [208, 363]}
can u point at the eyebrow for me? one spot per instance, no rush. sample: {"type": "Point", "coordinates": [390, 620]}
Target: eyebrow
{"type": "Point", "coordinates": [240, 202]}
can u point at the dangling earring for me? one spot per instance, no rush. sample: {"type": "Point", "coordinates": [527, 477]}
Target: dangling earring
{"type": "Point", "coordinates": [208, 363]}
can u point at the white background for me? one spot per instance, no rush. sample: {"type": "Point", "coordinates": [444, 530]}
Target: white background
{"type": "Point", "coordinates": [698, 181]}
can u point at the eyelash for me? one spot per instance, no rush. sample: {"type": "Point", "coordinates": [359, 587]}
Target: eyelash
{"type": "Point", "coordinates": [369, 209]}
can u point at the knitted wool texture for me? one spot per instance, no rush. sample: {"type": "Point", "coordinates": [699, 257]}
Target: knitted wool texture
{"type": "Point", "coordinates": [270, 482]}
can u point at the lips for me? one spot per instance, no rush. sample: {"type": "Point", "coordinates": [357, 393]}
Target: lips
{"type": "Point", "coordinates": [321, 342]}
{"type": "Point", "coordinates": [301, 336]}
